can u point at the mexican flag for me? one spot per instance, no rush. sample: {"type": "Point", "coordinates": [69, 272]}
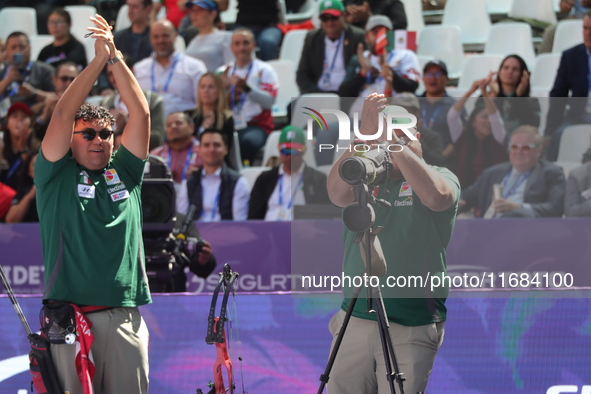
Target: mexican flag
{"type": "Point", "coordinates": [389, 40]}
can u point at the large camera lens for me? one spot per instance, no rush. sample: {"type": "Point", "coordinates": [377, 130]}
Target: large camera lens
{"type": "Point", "coordinates": [158, 201]}
{"type": "Point", "coordinates": [352, 171]}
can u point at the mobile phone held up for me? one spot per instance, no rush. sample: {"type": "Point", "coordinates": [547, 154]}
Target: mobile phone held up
{"type": "Point", "coordinates": [18, 61]}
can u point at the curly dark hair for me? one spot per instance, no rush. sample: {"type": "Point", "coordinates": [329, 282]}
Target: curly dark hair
{"type": "Point", "coordinates": [93, 113]}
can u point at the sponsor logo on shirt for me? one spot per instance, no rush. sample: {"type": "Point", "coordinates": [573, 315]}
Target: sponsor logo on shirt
{"type": "Point", "coordinates": [407, 202]}
{"type": "Point", "coordinates": [405, 190]}
{"type": "Point", "coordinates": [122, 195]}
{"type": "Point", "coordinates": [111, 177]}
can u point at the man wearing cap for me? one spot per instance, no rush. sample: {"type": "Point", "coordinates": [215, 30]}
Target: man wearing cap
{"type": "Point", "coordinates": [327, 51]}
{"type": "Point", "coordinates": [211, 45]}
{"type": "Point", "coordinates": [276, 191]}
{"type": "Point", "coordinates": [18, 139]}
{"type": "Point", "coordinates": [217, 191]}
{"type": "Point", "coordinates": [173, 75]}
{"type": "Point", "coordinates": [387, 73]}
{"type": "Point", "coordinates": [415, 232]}
{"type": "Point", "coordinates": [437, 103]}
{"type": "Point", "coordinates": [134, 41]}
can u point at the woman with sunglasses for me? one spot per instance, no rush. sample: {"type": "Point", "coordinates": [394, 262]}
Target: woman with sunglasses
{"type": "Point", "coordinates": [479, 142]}
{"type": "Point", "coordinates": [511, 88]}
{"type": "Point", "coordinates": [64, 46]}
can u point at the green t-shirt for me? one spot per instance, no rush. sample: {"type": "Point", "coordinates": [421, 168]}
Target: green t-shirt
{"type": "Point", "coordinates": [414, 240]}
{"type": "Point", "coordinates": [91, 231]}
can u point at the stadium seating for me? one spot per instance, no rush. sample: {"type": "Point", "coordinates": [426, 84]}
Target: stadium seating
{"type": "Point", "coordinates": [122, 21]}
{"type": "Point", "coordinates": [293, 43]}
{"type": "Point", "coordinates": [544, 72]}
{"type": "Point", "coordinates": [252, 173]}
{"type": "Point", "coordinates": [471, 17]}
{"type": "Point", "coordinates": [80, 22]}
{"type": "Point", "coordinates": [288, 88]}
{"type": "Point", "coordinates": [574, 142]}
{"type": "Point", "coordinates": [542, 10]}
{"type": "Point", "coordinates": [18, 19]}
{"type": "Point", "coordinates": [568, 34]}
{"type": "Point", "coordinates": [38, 42]}
{"type": "Point", "coordinates": [444, 43]}
{"type": "Point", "coordinates": [511, 38]}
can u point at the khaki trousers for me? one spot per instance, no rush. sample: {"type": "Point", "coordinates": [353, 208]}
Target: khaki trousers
{"type": "Point", "coordinates": [359, 366]}
{"type": "Point", "coordinates": [119, 350]}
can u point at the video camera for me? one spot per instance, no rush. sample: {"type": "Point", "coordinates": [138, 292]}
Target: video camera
{"type": "Point", "coordinates": [370, 168]}
{"type": "Point", "coordinates": [168, 246]}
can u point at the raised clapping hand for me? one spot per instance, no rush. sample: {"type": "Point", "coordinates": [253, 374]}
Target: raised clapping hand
{"type": "Point", "coordinates": [371, 113]}
{"type": "Point", "coordinates": [104, 46]}
{"type": "Point", "coordinates": [523, 84]}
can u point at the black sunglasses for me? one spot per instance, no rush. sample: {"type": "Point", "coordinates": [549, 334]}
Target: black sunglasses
{"type": "Point", "coordinates": [65, 78]}
{"type": "Point", "coordinates": [89, 134]}
{"type": "Point", "coordinates": [326, 18]}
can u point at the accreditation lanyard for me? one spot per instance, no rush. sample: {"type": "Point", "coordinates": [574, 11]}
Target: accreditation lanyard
{"type": "Point", "coordinates": [14, 167]}
{"type": "Point", "coordinates": [233, 88]}
{"type": "Point", "coordinates": [334, 57]}
{"type": "Point", "coordinates": [187, 161]}
{"type": "Point", "coordinates": [433, 116]}
{"type": "Point", "coordinates": [290, 203]}
{"type": "Point", "coordinates": [515, 186]}
{"type": "Point", "coordinates": [216, 203]}
{"type": "Point", "coordinates": [379, 77]}
{"type": "Point", "coordinates": [175, 60]}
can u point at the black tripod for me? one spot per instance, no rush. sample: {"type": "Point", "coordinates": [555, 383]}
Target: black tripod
{"type": "Point", "coordinates": [359, 217]}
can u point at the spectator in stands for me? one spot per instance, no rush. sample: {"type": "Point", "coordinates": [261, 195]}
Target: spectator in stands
{"type": "Point", "coordinates": [529, 187]}
{"type": "Point", "coordinates": [18, 140]}
{"type": "Point", "coordinates": [6, 192]}
{"type": "Point", "coordinates": [480, 142]}
{"type": "Point", "coordinates": [358, 14]}
{"type": "Point", "coordinates": [171, 74]}
{"type": "Point", "coordinates": [512, 89]}
{"type": "Point", "coordinates": [65, 73]}
{"type": "Point", "coordinates": [24, 207]}
{"type": "Point", "coordinates": [276, 191]}
{"type": "Point", "coordinates": [366, 73]}
{"type": "Point", "coordinates": [218, 192]}
{"type": "Point", "coordinates": [577, 198]}
{"type": "Point", "coordinates": [181, 150]}
{"type": "Point", "coordinates": [253, 85]}
{"type": "Point", "coordinates": [175, 11]}
{"type": "Point", "coordinates": [327, 51]}
{"type": "Point", "coordinates": [23, 79]}
{"type": "Point", "coordinates": [211, 46]}
{"type": "Point", "coordinates": [436, 104]}
{"type": "Point", "coordinates": [575, 9]}
{"type": "Point", "coordinates": [155, 103]}
{"type": "Point", "coordinates": [572, 78]}
{"type": "Point", "coordinates": [261, 17]}
{"type": "Point", "coordinates": [134, 41]}
{"type": "Point", "coordinates": [64, 46]}
{"type": "Point", "coordinates": [2, 51]}
{"type": "Point", "coordinates": [212, 110]}
{"type": "Point", "coordinates": [430, 140]}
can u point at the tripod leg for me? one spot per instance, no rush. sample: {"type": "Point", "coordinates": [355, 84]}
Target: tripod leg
{"type": "Point", "coordinates": [387, 346]}
{"type": "Point", "coordinates": [333, 354]}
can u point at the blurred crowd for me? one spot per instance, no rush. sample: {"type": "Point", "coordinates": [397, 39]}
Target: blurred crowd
{"type": "Point", "coordinates": [212, 90]}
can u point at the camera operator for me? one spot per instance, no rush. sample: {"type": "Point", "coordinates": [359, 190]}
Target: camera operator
{"type": "Point", "coordinates": [415, 234]}
{"type": "Point", "coordinates": [199, 259]}
{"type": "Point", "coordinates": [23, 79]}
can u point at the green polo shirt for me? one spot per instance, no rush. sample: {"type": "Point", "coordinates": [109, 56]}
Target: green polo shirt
{"type": "Point", "coordinates": [91, 231]}
{"type": "Point", "coordinates": [414, 240]}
